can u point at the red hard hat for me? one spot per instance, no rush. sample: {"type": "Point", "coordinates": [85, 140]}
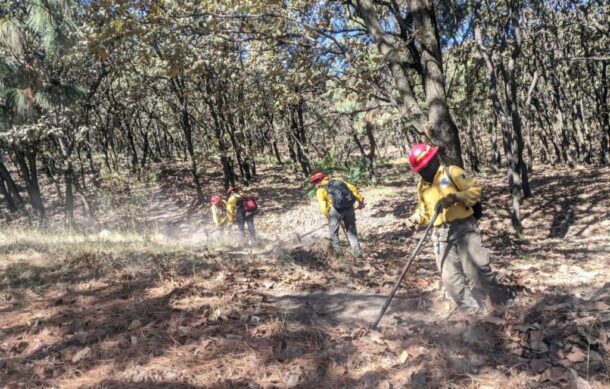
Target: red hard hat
{"type": "Point", "coordinates": [316, 176]}
{"type": "Point", "coordinates": [215, 200]}
{"type": "Point", "coordinates": [420, 154]}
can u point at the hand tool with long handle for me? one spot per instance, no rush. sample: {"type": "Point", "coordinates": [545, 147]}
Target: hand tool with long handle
{"type": "Point", "coordinates": [404, 270]}
{"type": "Point", "coordinates": [301, 236]}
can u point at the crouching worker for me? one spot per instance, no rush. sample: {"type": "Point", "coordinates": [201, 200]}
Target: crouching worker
{"type": "Point", "coordinates": [219, 212]}
{"type": "Point", "coordinates": [241, 210]}
{"type": "Point", "coordinates": [336, 198]}
{"type": "Point", "coordinates": [457, 242]}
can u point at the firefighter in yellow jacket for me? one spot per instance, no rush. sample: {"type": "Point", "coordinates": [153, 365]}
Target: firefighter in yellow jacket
{"type": "Point", "coordinates": [457, 243]}
{"type": "Point", "coordinates": [218, 207]}
{"type": "Point", "coordinates": [336, 198]}
{"type": "Point", "coordinates": [239, 215]}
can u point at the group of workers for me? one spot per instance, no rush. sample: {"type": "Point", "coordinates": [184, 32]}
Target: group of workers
{"type": "Point", "coordinates": [238, 210]}
{"type": "Point", "coordinates": [448, 197]}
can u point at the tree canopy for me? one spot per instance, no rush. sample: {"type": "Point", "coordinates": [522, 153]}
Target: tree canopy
{"type": "Point", "coordinates": [106, 86]}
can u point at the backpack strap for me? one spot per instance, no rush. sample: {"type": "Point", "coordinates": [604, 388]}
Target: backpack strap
{"type": "Point", "coordinates": [330, 180]}
{"type": "Point", "coordinates": [239, 203]}
{"type": "Point", "coordinates": [448, 174]}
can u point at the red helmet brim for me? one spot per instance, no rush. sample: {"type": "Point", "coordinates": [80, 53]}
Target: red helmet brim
{"type": "Point", "coordinates": [426, 159]}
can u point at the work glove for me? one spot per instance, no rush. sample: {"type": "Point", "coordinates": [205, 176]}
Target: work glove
{"type": "Point", "coordinates": [446, 202]}
{"type": "Point", "coordinates": [412, 222]}
{"type": "Point", "coordinates": [360, 204]}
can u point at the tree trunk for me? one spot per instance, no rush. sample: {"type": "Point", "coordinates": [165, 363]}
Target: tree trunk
{"type": "Point", "coordinates": [132, 146]}
{"type": "Point", "coordinates": [441, 128]}
{"type": "Point", "coordinates": [272, 141]}
{"type": "Point", "coordinates": [11, 187]}
{"type": "Point", "coordinates": [178, 88]}
{"type": "Point", "coordinates": [587, 133]}
{"type": "Point", "coordinates": [69, 181]}
{"type": "Point", "coordinates": [69, 195]}
{"type": "Point", "coordinates": [10, 202]}
{"type": "Point", "coordinates": [472, 152]}
{"type": "Point", "coordinates": [94, 172]}
{"type": "Point", "coordinates": [50, 171]}
{"type": "Point", "coordinates": [291, 146]}
{"type": "Point", "coordinates": [227, 168]}
{"type": "Point", "coordinates": [495, 153]}
{"type": "Point", "coordinates": [410, 107]}
{"type": "Point", "coordinates": [514, 177]}
{"type": "Point", "coordinates": [276, 152]}
{"type": "Point", "coordinates": [244, 169]}
{"type": "Point", "coordinates": [604, 117]}
{"type": "Point", "coordinates": [511, 103]}
{"type": "Point", "coordinates": [302, 150]}
{"type": "Point", "coordinates": [528, 126]}
{"type": "Point", "coordinates": [544, 129]}
{"type": "Point", "coordinates": [372, 152]}
{"type": "Point", "coordinates": [188, 136]}
{"type": "Point", "coordinates": [27, 163]}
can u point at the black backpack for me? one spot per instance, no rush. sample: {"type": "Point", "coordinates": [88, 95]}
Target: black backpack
{"type": "Point", "coordinates": [477, 209]}
{"type": "Point", "coordinates": [342, 198]}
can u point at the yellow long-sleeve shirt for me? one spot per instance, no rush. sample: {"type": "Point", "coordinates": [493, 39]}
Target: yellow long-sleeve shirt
{"type": "Point", "coordinates": [232, 206]}
{"type": "Point", "coordinates": [219, 213]}
{"type": "Point", "coordinates": [324, 200]}
{"type": "Point", "coordinates": [465, 187]}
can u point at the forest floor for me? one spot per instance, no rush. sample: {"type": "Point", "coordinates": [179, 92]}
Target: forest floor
{"type": "Point", "coordinates": [175, 307]}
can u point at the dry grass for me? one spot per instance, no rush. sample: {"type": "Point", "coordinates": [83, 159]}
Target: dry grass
{"type": "Point", "coordinates": [169, 308]}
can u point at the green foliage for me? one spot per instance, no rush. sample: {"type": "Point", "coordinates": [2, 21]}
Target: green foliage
{"type": "Point", "coordinates": [329, 164]}
{"type": "Point", "coordinates": [358, 172]}
{"type": "Point", "coordinates": [34, 39]}
{"type": "Point", "coordinates": [355, 171]}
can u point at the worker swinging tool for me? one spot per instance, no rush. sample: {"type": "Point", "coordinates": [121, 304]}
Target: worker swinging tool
{"type": "Point", "coordinates": [336, 198]}
{"type": "Point", "coordinates": [449, 205]}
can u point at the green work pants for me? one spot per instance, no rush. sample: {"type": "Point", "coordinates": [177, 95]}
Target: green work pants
{"type": "Point", "coordinates": [461, 259]}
